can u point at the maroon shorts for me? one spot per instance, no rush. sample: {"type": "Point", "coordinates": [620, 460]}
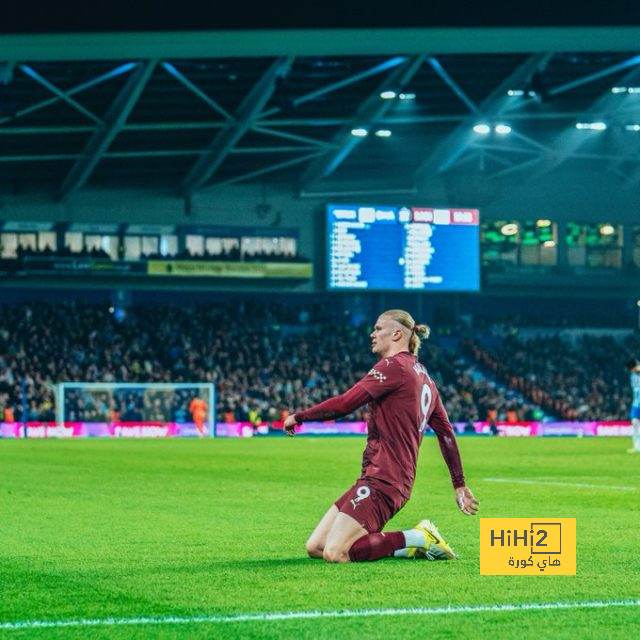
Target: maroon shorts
{"type": "Point", "coordinates": [369, 506]}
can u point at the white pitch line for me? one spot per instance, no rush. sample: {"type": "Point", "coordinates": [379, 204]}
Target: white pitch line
{"type": "Point", "coordinates": [306, 615]}
{"type": "Point", "coordinates": [555, 483]}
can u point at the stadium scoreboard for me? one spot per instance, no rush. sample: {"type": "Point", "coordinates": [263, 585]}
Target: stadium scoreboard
{"type": "Point", "coordinates": [402, 248]}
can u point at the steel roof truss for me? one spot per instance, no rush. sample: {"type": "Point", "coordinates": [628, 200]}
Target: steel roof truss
{"type": "Point", "coordinates": [103, 136]}
{"type": "Point", "coordinates": [123, 68]}
{"type": "Point", "coordinates": [340, 84]}
{"type": "Point", "coordinates": [265, 170]}
{"type": "Point", "coordinates": [372, 109]}
{"type": "Point", "coordinates": [34, 75]}
{"type": "Point", "coordinates": [457, 142]}
{"type": "Point", "coordinates": [180, 77]}
{"type": "Point", "coordinates": [452, 84]}
{"type": "Point", "coordinates": [289, 136]}
{"type": "Point", "coordinates": [244, 118]}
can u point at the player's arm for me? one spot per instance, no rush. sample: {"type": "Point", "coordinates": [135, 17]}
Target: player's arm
{"type": "Point", "coordinates": [335, 407]}
{"type": "Point", "coordinates": [383, 378]}
{"type": "Point", "coordinates": [439, 422]}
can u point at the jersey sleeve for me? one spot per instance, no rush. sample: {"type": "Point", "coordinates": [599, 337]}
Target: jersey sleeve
{"type": "Point", "coordinates": [439, 422]}
{"type": "Point", "coordinates": [384, 377]}
{"type": "Point", "coordinates": [337, 406]}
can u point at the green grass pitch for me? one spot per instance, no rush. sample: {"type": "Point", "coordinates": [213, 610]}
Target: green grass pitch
{"type": "Point", "coordinates": [127, 528]}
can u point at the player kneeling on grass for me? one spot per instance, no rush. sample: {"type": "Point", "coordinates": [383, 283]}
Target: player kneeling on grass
{"type": "Point", "coordinates": [403, 400]}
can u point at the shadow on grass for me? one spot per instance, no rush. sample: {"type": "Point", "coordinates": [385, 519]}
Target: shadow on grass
{"type": "Point", "coordinates": [261, 563]}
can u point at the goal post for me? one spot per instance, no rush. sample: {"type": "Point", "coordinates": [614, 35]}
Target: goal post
{"type": "Point", "coordinates": [136, 409]}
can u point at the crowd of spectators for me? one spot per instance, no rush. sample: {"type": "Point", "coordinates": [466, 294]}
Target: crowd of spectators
{"type": "Point", "coordinates": [511, 322]}
{"type": "Point", "coordinates": [470, 396]}
{"type": "Point", "coordinates": [583, 378]}
{"type": "Point", "coordinates": [235, 255]}
{"type": "Point", "coordinates": [266, 359]}
{"type": "Point", "coordinates": [231, 255]}
{"type": "Point", "coordinates": [63, 252]}
{"type": "Point", "coordinates": [256, 358]}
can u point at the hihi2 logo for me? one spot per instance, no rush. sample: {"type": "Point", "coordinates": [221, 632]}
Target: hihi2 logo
{"type": "Point", "coordinates": [529, 546]}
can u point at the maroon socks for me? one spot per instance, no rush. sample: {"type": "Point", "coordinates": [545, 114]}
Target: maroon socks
{"type": "Point", "coordinates": [376, 545]}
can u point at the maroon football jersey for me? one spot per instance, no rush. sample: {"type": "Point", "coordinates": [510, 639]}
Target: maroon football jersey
{"type": "Point", "coordinates": [404, 401]}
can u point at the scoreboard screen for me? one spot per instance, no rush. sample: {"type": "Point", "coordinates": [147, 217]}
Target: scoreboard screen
{"type": "Point", "coordinates": [402, 248]}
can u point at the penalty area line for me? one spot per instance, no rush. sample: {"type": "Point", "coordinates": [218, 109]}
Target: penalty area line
{"type": "Point", "coordinates": [558, 483]}
{"type": "Point", "coordinates": [306, 615]}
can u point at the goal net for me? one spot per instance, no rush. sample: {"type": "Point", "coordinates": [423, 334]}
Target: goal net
{"type": "Point", "coordinates": [136, 409]}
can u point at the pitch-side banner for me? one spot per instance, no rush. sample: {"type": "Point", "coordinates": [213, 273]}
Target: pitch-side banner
{"type": "Point", "coordinates": [519, 429]}
{"type": "Point", "coordinates": [247, 430]}
{"type": "Point", "coordinates": [99, 430]}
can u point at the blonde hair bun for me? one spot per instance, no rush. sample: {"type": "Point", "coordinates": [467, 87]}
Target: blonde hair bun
{"type": "Point", "coordinates": [418, 331]}
{"type": "Point", "coordinates": [422, 330]}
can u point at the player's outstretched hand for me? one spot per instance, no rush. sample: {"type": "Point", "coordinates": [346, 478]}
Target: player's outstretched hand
{"type": "Point", "coordinates": [466, 501]}
{"type": "Point", "coordinates": [290, 425]}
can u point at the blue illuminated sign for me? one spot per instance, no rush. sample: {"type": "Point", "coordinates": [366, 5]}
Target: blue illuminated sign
{"type": "Point", "coordinates": [402, 248]}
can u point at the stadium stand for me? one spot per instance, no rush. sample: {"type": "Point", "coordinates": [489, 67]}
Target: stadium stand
{"type": "Point", "coordinates": [575, 376]}
{"type": "Point", "coordinates": [267, 358]}
{"type": "Point", "coordinates": [232, 255]}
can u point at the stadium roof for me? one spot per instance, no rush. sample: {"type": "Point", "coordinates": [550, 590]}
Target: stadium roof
{"type": "Point", "coordinates": [331, 111]}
